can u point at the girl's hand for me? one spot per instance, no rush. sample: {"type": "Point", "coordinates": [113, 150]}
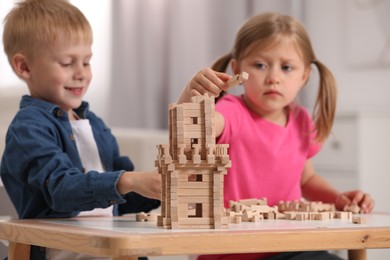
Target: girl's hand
{"type": "Point", "coordinates": [356, 197]}
{"type": "Point", "coordinates": [143, 183]}
{"type": "Point", "coordinates": [208, 81]}
{"type": "Point", "coordinates": [205, 81]}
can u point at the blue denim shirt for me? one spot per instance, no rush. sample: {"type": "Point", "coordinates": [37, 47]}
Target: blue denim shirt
{"type": "Point", "coordinates": [42, 172]}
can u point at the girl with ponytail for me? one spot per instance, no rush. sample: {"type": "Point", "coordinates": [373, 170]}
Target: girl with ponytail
{"type": "Point", "coordinates": [272, 139]}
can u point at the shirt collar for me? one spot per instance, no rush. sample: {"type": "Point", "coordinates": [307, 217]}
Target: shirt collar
{"type": "Point", "coordinates": [28, 101]}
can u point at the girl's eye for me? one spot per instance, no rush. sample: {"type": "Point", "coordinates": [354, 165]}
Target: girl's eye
{"type": "Point", "coordinates": [260, 65]}
{"type": "Point", "coordinates": [287, 67]}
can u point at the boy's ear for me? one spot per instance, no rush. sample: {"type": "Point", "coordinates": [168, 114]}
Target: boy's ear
{"type": "Point", "coordinates": [235, 67]}
{"type": "Point", "coordinates": [19, 63]}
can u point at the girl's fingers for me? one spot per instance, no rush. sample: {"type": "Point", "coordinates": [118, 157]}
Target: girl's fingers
{"type": "Point", "coordinates": [367, 204]}
{"type": "Point", "coordinates": [205, 85]}
{"type": "Point", "coordinates": [341, 201]}
{"type": "Point", "coordinates": [363, 200]}
{"type": "Point", "coordinates": [357, 198]}
{"type": "Point", "coordinates": [208, 81]}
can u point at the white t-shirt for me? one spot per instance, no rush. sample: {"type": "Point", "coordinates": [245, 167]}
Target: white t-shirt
{"type": "Point", "coordinates": [89, 155]}
{"type": "Point", "coordinates": [90, 159]}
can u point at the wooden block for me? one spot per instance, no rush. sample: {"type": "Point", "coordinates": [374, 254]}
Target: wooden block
{"type": "Point", "coordinates": [143, 217]}
{"type": "Point", "coordinates": [343, 215]}
{"type": "Point", "coordinates": [195, 226]}
{"type": "Point", "coordinates": [358, 220]}
{"type": "Point", "coordinates": [352, 208]}
{"type": "Point", "coordinates": [290, 215]}
{"type": "Point", "coordinates": [237, 79]}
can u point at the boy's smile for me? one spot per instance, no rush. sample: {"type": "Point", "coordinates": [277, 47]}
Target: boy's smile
{"type": "Point", "coordinates": [61, 74]}
{"type": "Point", "coordinates": [77, 91]}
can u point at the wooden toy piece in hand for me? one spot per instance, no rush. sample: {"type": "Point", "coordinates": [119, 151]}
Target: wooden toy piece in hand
{"type": "Point", "coordinates": [237, 79]}
{"type": "Point", "coordinates": [355, 209]}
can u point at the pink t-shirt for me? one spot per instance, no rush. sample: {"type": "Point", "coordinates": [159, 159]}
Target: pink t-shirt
{"type": "Point", "coordinates": [267, 159]}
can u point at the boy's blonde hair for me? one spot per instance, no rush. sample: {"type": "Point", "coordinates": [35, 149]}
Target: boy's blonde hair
{"type": "Point", "coordinates": [262, 31]}
{"type": "Point", "coordinates": [33, 25]}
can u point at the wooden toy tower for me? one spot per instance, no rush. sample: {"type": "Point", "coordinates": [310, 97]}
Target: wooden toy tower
{"type": "Point", "coordinates": [192, 168]}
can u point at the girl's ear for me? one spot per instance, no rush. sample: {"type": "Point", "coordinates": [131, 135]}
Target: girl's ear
{"type": "Point", "coordinates": [306, 76]}
{"type": "Point", "coordinates": [19, 63]}
{"type": "Point", "coordinates": [235, 67]}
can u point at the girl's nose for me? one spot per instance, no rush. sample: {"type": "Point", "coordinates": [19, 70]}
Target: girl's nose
{"type": "Point", "coordinates": [273, 76]}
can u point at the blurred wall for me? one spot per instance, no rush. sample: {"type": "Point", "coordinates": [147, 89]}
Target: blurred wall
{"type": "Point", "coordinates": [352, 37]}
{"type": "Point", "coordinates": [145, 51]}
{"type": "Point", "coordinates": [159, 45]}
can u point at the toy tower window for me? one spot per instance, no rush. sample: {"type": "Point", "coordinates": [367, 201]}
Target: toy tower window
{"type": "Point", "coordinates": [194, 141]}
{"type": "Point", "coordinates": [195, 210]}
{"type": "Point", "coordinates": [195, 177]}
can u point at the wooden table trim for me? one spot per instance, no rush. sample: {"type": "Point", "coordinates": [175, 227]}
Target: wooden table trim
{"type": "Point", "coordinates": [127, 246]}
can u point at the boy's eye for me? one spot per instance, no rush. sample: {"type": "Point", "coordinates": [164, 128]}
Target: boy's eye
{"type": "Point", "coordinates": [65, 64]}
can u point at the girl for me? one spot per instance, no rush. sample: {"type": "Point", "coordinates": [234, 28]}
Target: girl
{"type": "Point", "coordinates": [272, 139]}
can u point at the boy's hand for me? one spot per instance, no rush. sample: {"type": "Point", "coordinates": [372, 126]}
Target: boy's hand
{"type": "Point", "coordinates": [356, 197]}
{"type": "Point", "coordinates": [143, 183]}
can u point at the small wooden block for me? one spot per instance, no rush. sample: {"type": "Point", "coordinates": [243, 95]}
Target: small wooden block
{"type": "Point", "coordinates": [358, 220]}
{"type": "Point", "coordinates": [237, 79]}
{"type": "Point", "coordinates": [142, 217]}
{"type": "Point", "coordinates": [352, 208]}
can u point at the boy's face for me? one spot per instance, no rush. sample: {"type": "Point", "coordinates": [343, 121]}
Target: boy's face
{"type": "Point", "coordinates": [61, 74]}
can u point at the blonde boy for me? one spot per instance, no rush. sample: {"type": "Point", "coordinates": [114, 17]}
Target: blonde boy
{"type": "Point", "coordinates": [60, 159]}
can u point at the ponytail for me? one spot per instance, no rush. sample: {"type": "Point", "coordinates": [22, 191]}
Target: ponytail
{"type": "Point", "coordinates": [325, 105]}
{"type": "Point", "coordinates": [222, 63]}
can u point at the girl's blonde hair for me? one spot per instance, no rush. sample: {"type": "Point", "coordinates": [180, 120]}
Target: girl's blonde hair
{"type": "Point", "coordinates": [33, 25]}
{"type": "Point", "coordinates": [265, 29]}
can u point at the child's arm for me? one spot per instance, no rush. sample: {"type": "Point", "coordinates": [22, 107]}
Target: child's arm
{"type": "Point", "coordinates": [144, 183]}
{"type": "Point", "coordinates": [205, 81]}
{"type": "Point", "coordinates": [208, 81]}
{"type": "Point", "coordinates": [316, 188]}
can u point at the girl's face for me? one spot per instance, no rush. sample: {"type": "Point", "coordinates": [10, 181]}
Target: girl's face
{"type": "Point", "coordinates": [276, 74]}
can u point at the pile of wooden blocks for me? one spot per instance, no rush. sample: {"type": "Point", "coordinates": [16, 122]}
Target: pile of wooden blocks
{"type": "Point", "coordinates": [254, 210]}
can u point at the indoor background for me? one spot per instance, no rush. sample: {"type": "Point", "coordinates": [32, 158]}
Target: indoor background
{"type": "Point", "coordinates": [145, 51]}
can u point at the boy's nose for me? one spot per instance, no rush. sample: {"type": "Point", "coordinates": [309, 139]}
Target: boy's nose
{"type": "Point", "coordinates": [80, 73]}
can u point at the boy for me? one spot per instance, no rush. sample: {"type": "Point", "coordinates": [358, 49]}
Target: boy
{"type": "Point", "coordinates": [60, 158]}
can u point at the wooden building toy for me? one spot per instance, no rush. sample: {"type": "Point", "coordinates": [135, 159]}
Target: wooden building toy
{"type": "Point", "coordinates": [192, 168]}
